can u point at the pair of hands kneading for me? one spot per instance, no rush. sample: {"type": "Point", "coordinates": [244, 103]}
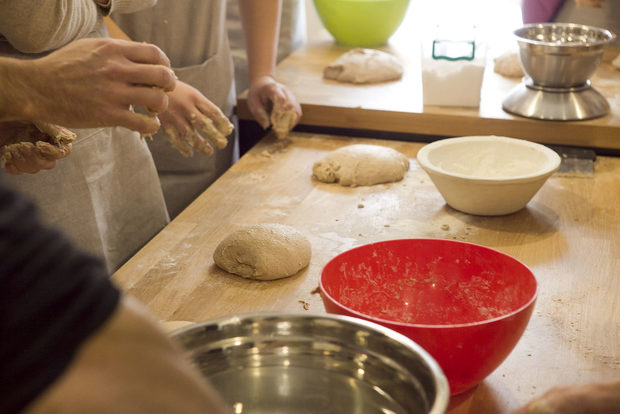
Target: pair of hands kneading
{"type": "Point", "coordinates": [106, 76]}
{"type": "Point", "coordinates": [193, 122]}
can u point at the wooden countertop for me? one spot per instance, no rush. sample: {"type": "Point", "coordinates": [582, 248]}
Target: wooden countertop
{"type": "Point", "coordinates": [397, 106]}
{"type": "Point", "coordinates": [569, 235]}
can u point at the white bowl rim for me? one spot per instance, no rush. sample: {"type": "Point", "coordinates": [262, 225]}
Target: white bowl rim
{"type": "Point", "coordinates": [551, 166]}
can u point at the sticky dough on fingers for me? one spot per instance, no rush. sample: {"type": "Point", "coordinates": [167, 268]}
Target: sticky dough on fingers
{"type": "Point", "coordinates": [206, 126]}
{"type": "Point", "coordinates": [282, 121]}
{"type": "Point", "coordinates": [199, 143]}
{"type": "Point", "coordinates": [179, 143]}
{"type": "Point", "coordinates": [57, 145]}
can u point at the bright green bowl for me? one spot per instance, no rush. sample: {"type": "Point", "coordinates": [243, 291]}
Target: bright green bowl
{"type": "Point", "coordinates": [362, 23]}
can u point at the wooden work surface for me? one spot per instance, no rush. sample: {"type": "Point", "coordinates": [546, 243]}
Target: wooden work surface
{"type": "Point", "coordinates": [397, 106]}
{"type": "Point", "coordinates": [569, 235]}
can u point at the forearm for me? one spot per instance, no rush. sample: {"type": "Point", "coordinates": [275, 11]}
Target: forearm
{"type": "Point", "coordinates": [16, 101]}
{"type": "Point", "coordinates": [261, 23]}
{"type": "Point", "coordinates": [130, 365]}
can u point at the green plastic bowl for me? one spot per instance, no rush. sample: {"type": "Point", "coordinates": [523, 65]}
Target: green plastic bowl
{"type": "Point", "coordinates": [361, 23]}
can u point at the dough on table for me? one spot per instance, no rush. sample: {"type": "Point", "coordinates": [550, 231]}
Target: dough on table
{"type": "Point", "coordinates": [263, 251]}
{"type": "Point", "coordinates": [507, 64]}
{"type": "Point", "coordinates": [364, 66]}
{"type": "Point", "coordinates": [361, 164]}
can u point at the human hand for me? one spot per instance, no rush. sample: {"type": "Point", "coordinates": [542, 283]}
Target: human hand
{"type": "Point", "coordinates": [601, 398]}
{"type": "Point", "coordinates": [30, 148]}
{"type": "Point", "coordinates": [272, 103]}
{"type": "Point", "coordinates": [129, 366]}
{"type": "Point", "coordinates": [192, 121]}
{"type": "Point", "coordinates": [95, 82]}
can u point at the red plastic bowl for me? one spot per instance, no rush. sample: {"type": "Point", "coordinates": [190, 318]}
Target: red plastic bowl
{"type": "Point", "coordinates": [466, 304]}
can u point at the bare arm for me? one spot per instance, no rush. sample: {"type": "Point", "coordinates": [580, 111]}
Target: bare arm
{"type": "Point", "coordinates": [261, 24]}
{"type": "Point", "coordinates": [105, 76]}
{"type": "Point", "coordinates": [270, 102]}
{"type": "Point", "coordinates": [130, 365]}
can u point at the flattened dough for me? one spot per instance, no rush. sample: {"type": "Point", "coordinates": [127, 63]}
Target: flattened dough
{"type": "Point", "coordinates": [364, 66]}
{"type": "Point", "coordinates": [361, 164]}
{"type": "Point", "coordinates": [263, 251]}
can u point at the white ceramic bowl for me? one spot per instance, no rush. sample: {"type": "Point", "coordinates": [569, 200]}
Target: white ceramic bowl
{"type": "Point", "coordinates": [488, 175]}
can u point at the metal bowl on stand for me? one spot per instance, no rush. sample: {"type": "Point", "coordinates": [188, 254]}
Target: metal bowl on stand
{"type": "Point", "coordinates": [558, 60]}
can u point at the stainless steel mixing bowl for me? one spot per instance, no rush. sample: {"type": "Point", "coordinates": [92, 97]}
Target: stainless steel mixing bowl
{"type": "Point", "coordinates": [561, 55]}
{"type": "Point", "coordinates": [300, 363]}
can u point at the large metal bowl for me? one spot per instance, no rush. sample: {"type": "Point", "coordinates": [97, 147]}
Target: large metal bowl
{"type": "Point", "coordinates": [300, 363]}
{"type": "Point", "coordinates": [561, 55]}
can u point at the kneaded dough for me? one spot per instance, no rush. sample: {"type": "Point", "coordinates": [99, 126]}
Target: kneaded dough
{"type": "Point", "coordinates": [49, 141]}
{"type": "Point", "coordinates": [264, 252]}
{"type": "Point", "coordinates": [364, 66]}
{"type": "Point", "coordinates": [508, 65]}
{"type": "Point", "coordinates": [361, 164]}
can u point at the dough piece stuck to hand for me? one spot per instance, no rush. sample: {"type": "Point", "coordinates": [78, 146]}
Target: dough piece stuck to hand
{"type": "Point", "coordinates": [361, 164]}
{"type": "Point", "coordinates": [364, 66]}
{"type": "Point", "coordinates": [264, 252]}
{"type": "Point", "coordinates": [283, 121]}
{"type": "Point", "coordinates": [508, 65]}
{"type": "Point", "coordinates": [49, 141]}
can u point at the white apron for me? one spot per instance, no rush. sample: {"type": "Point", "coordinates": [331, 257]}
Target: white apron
{"type": "Point", "coordinates": [105, 195]}
{"type": "Point", "coordinates": [193, 35]}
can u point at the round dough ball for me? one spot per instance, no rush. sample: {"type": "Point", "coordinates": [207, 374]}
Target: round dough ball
{"type": "Point", "coordinates": [364, 66]}
{"type": "Point", "coordinates": [264, 252]}
{"type": "Point", "coordinates": [361, 164]}
{"type": "Point", "coordinates": [508, 65]}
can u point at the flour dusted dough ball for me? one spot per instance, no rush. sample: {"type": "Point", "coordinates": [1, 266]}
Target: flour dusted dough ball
{"type": "Point", "coordinates": [508, 65]}
{"type": "Point", "coordinates": [364, 66]}
{"type": "Point", "coordinates": [361, 164]}
{"type": "Point", "coordinates": [263, 251]}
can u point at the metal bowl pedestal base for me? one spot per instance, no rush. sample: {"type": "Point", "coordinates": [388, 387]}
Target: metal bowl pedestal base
{"type": "Point", "coordinates": [555, 104]}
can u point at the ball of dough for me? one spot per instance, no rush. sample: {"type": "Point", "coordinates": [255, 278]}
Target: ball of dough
{"type": "Point", "coordinates": [364, 66]}
{"type": "Point", "coordinates": [264, 252]}
{"type": "Point", "coordinates": [361, 164]}
{"type": "Point", "coordinates": [508, 65]}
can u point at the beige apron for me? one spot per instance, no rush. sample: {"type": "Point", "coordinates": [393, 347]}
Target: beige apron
{"type": "Point", "coordinates": [105, 195]}
{"type": "Point", "coordinates": [193, 35]}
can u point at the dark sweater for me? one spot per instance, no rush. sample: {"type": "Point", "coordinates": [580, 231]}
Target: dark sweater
{"type": "Point", "coordinates": [52, 297]}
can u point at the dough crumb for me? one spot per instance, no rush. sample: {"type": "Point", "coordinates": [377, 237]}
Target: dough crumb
{"type": "Point", "coordinates": [315, 290]}
{"type": "Point", "coordinates": [360, 206]}
{"type": "Point", "coordinates": [445, 227]}
{"type": "Point", "coordinates": [304, 304]}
